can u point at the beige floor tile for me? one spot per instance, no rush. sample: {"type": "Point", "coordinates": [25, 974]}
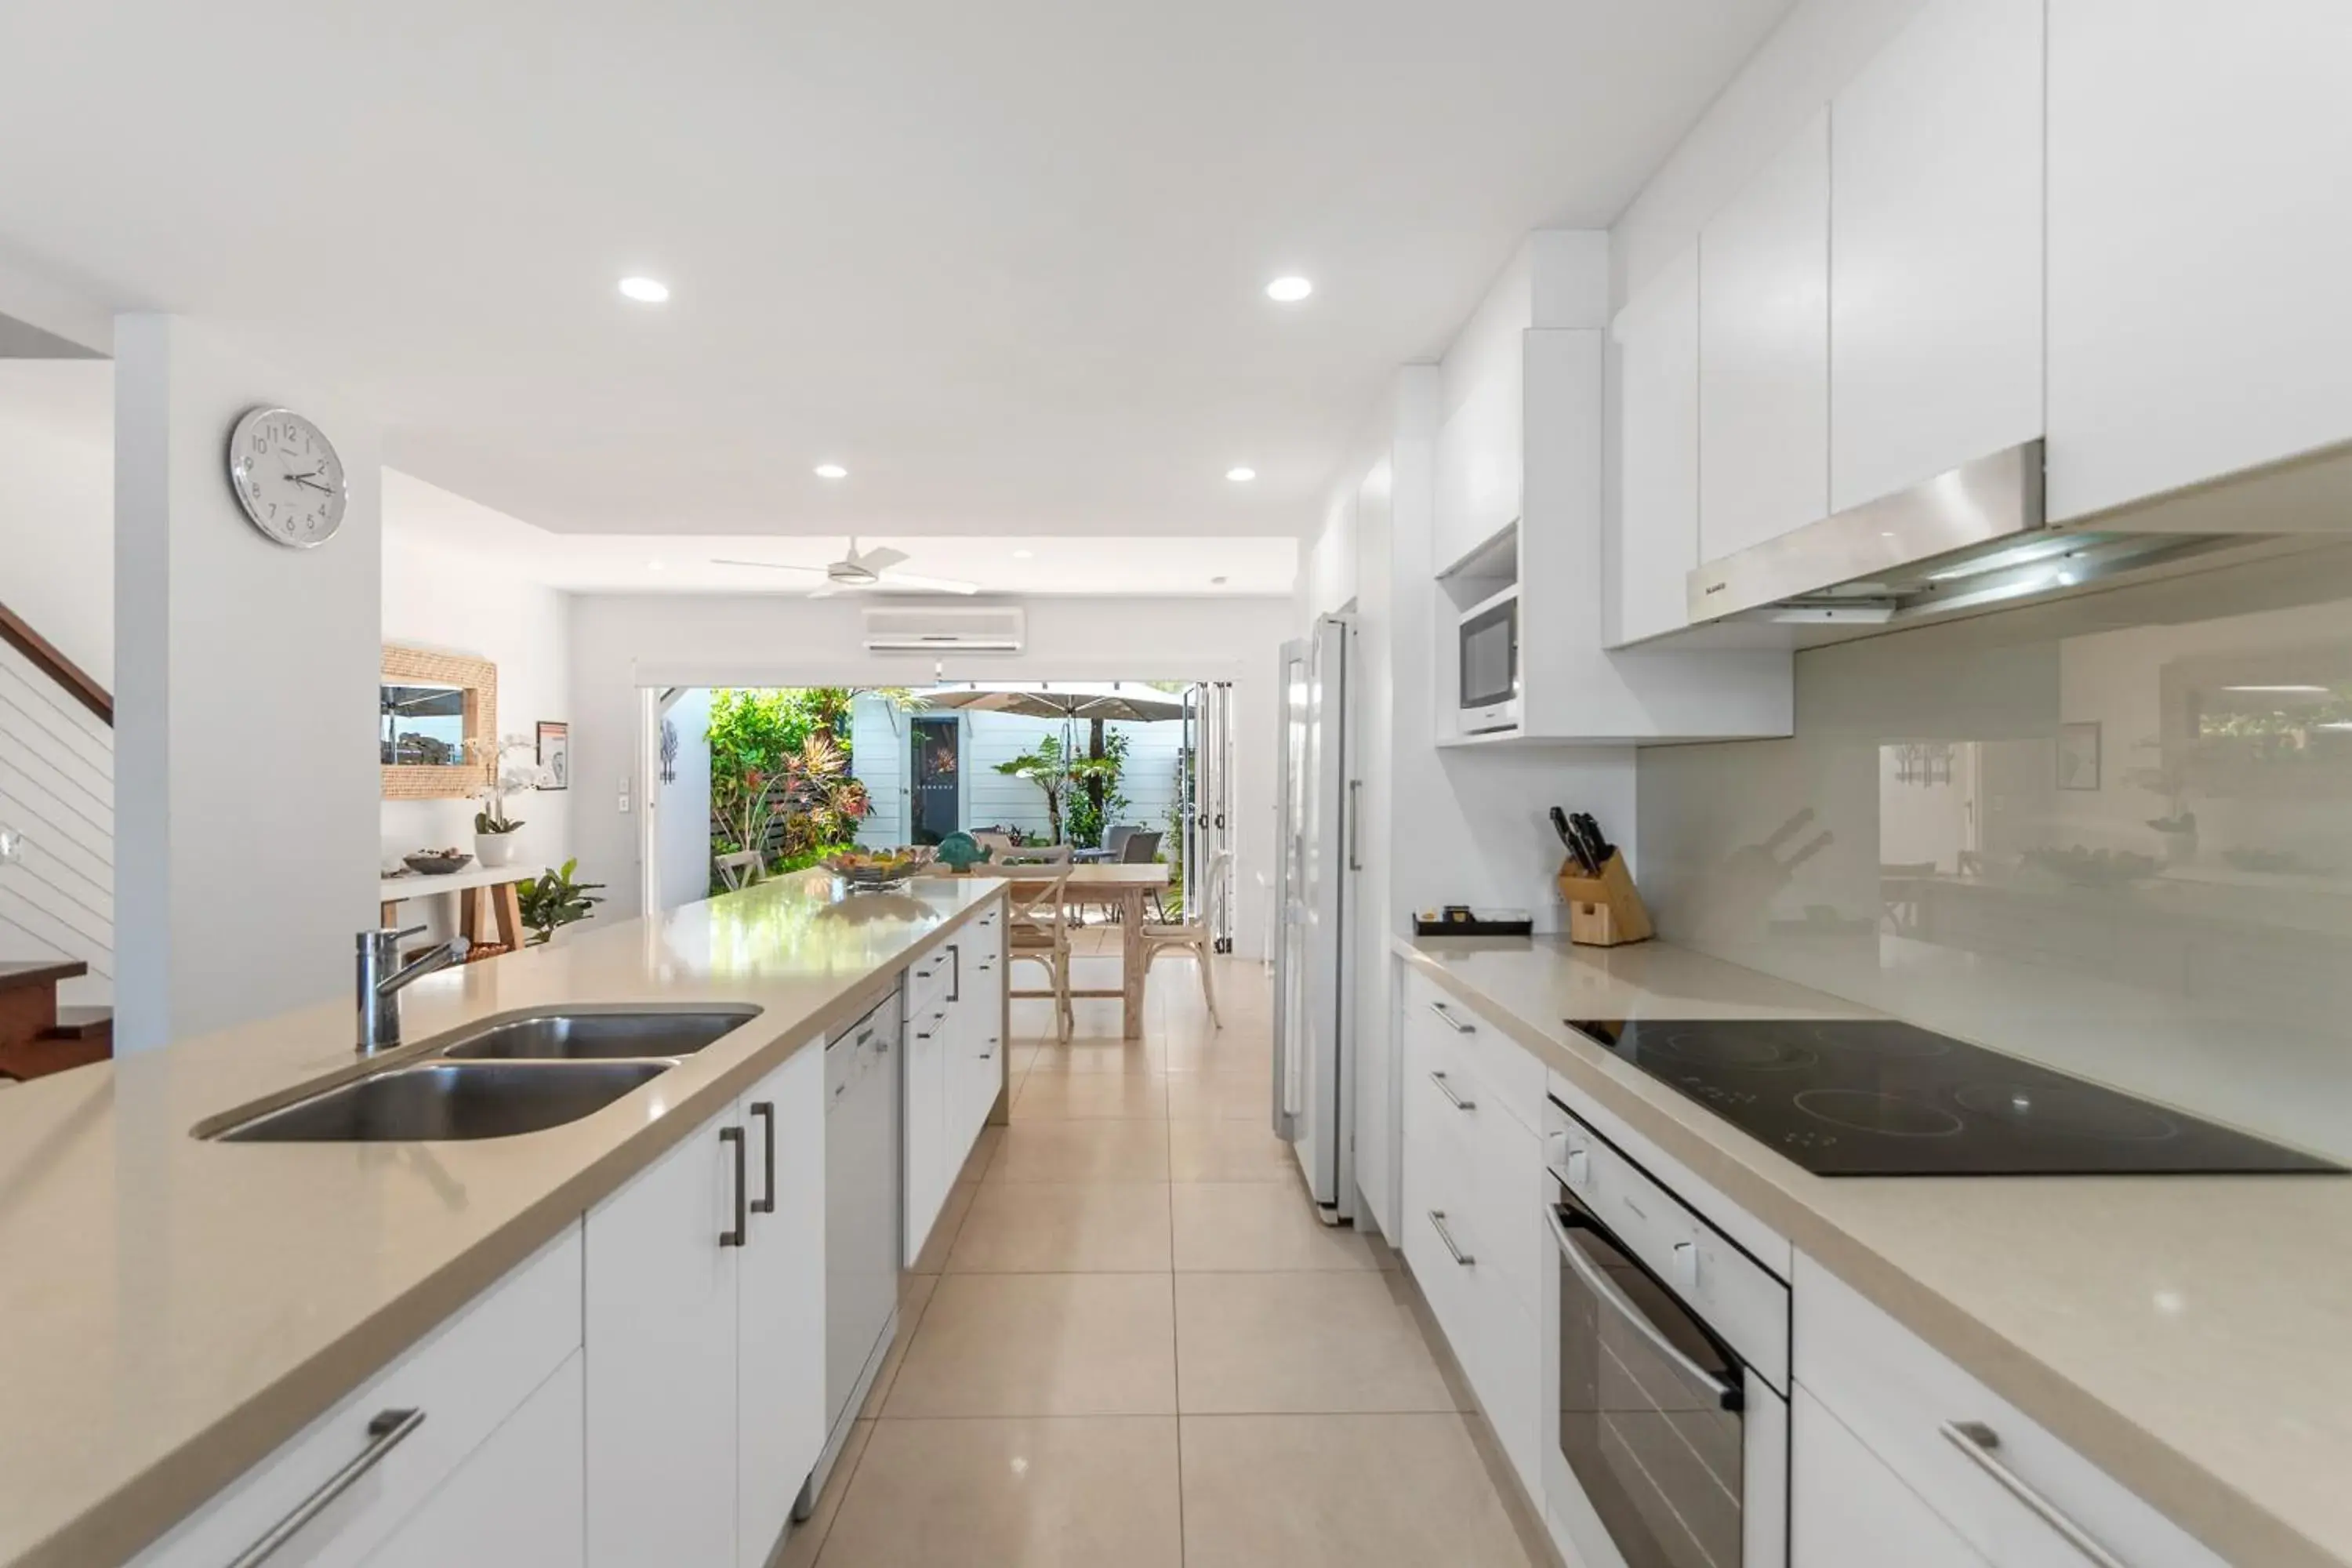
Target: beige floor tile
{"type": "Point", "coordinates": [1133, 1059]}
{"type": "Point", "coordinates": [1230, 1226]}
{"type": "Point", "coordinates": [941, 1241]}
{"type": "Point", "coordinates": [1041, 1344]}
{"type": "Point", "coordinates": [914, 1296]}
{"type": "Point", "coordinates": [983, 1150]}
{"type": "Point", "coordinates": [1214, 1150]}
{"type": "Point", "coordinates": [1081, 1151]}
{"type": "Point", "coordinates": [1014, 1494]}
{"type": "Point", "coordinates": [1092, 1095]}
{"type": "Point", "coordinates": [1224, 1096]}
{"type": "Point", "coordinates": [1048, 1227]}
{"type": "Point", "coordinates": [1267, 1344]}
{"type": "Point", "coordinates": [1188, 1050]}
{"type": "Point", "coordinates": [807, 1537]}
{"type": "Point", "coordinates": [1337, 1492]}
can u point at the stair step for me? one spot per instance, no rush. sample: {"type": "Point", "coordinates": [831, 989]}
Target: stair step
{"type": "Point", "coordinates": [25, 976]}
{"type": "Point", "coordinates": [81, 1024]}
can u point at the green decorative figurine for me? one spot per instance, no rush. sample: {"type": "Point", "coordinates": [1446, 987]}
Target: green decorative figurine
{"type": "Point", "coordinates": [960, 852]}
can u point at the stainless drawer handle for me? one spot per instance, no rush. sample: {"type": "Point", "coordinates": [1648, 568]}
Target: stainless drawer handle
{"type": "Point", "coordinates": [1437, 1219]}
{"type": "Point", "coordinates": [386, 1431]}
{"type": "Point", "coordinates": [1979, 1441]}
{"type": "Point", "coordinates": [1446, 1090]}
{"type": "Point", "coordinates": [1452, 1023]}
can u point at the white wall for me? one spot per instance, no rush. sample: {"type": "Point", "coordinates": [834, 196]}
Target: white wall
{"type": "Point", "coordinates": [445, 599]}
{"type": "Point", "coordinates": [56, 504]}
{"type": "Point", "coordinates": [621, 642]}
{"type": "Point", "coordinates": [682, 806]}
{"type": "Point", "coordinates": [245, 672]}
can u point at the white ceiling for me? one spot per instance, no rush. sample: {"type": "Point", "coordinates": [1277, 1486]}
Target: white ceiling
{"type": "Point", "coordinates": [1005, 261]}
{"type": "Point", "coordinates": [472, 537]}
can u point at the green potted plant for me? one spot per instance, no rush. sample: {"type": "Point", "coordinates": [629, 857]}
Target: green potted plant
{"type": "Point", "coordinates": [553, 899]}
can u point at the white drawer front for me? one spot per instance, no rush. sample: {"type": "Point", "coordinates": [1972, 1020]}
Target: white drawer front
{"type": "Point", "coordinates": [466, 1378]}
{"type": "Point", "coordinates": [1515, 1080]}
{"type": "Point", "coordinates": [1900, 1396]}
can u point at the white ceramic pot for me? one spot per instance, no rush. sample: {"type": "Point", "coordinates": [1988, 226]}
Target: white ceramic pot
{"type": "Point", "coordinates": [494, 848]}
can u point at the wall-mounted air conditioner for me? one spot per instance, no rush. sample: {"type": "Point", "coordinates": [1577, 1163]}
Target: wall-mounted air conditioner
{"type": "Point", "coordinates": [922, 629]}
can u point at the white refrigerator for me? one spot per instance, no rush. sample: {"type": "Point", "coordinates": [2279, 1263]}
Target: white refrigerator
{"type": "Point", "coordinates": [1314, 899]}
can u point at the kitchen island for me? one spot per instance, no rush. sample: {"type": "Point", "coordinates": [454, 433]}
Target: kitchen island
{"type": "Point", "coordinates": [2182, 1334]}
{"type": "Point", "coordinates": [173, 1309]}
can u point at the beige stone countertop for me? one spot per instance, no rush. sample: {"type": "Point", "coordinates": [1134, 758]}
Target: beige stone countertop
{"type": "Point", "coordinates": [171, 1310]}
{"type": "Point", "coordinates": [2190, 1335]}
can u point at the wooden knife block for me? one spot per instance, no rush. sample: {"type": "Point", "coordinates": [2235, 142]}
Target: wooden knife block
{"type": "Point", "coordinates": [1604, 911]}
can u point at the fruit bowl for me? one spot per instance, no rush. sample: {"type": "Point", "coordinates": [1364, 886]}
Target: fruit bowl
{"type": "Point", "coordinates": [866, 871]}
{"type": "Point", "coordinates": [436, 862]}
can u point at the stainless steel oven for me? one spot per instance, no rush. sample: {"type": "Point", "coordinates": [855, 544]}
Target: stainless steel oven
{"type": "Point", "coordinates": [1488, 663]}
{"type": "Point", "coordinates": [1667, 1434]}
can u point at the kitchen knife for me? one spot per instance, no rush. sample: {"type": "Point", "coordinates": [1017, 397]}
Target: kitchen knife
{"type": "Point", "coordinates": [1560, 824]}
{"type": "Point", "coordinates": [1596, 849]}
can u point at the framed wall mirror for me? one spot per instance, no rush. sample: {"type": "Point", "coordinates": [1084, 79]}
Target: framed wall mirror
{"type": "Point", "coordinates": [437, 715]}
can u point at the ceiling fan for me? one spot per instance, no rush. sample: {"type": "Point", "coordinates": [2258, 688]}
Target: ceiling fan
{"type": "Point", "coordinates": [862, 570]}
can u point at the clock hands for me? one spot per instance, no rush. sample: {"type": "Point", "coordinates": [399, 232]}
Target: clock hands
{"type": "Point", "coordinates": [311, 479]}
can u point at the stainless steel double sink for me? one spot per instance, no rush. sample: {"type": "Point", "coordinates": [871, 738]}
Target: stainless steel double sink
{"type": "Point", "coordinates": [523, 1074]}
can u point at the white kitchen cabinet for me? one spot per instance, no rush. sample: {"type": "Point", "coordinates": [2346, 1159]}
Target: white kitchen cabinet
{"type": "Point", "coordinates": [467, 1383]}
{"type": "Point", "coordinates": [1474, 1236]}
{"type": "Point", "coordinates": [1935, 249]}
{"type": "Point", "coordinates": [1847, 1509]}
{"type": "Point", "coordinates": [927, 1048]}
{"type": "Point", "coordinates": [2199, 245]}
{"type": "Point", "coordinates": [1764, 365]}
{"type": "Point", "coordinates": [1481, 445]}
{"type": "Point", "coordinates": [661, 1305]}
{"type": "Point", "coordinates": [781, 1408]}
{"type": "Point", "coordinates": [1905, 1402]}
{"type": "Point", "coordinates": [1657, 453]}
{"type": "Point", "coordinates": [520, 1501]}
{"type": "Point", "coordinates": [954, 1063]}
{"type": "Point", "coordinates": [705, 1316]}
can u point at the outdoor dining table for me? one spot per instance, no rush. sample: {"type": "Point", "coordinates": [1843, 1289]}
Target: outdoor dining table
{"type": "Point", "coordinates": [1125, 886]}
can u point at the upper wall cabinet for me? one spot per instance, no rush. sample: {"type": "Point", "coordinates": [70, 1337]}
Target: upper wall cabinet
{"type": "Point", "coordinates": [1657, 524]}
{"type": "Point", "coordinates": [1764, 372]}
{"type": "Point", "coordinates": [1481, 454]}
{"type": "Point", "coordinates": [1935, 249]}
{"type": "Point", "coordinates": [2200, 244]}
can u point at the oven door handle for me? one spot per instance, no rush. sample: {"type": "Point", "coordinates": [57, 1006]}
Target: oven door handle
{"type": "Point", "coordinates": [1601, 1286]}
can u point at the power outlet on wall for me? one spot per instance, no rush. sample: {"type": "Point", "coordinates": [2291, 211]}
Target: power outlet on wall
{"type": "Point", "coordinates": [12, 847]}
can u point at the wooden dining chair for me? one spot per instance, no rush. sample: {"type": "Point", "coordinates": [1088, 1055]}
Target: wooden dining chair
{"type": "Point", "coordinates": [1158, 936]}
{"type": "Point", "coordinates": [740, 870]}
{"type": "Point", "coordinates": [1038, 930]}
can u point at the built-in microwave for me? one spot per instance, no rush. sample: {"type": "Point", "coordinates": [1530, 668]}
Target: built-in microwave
{"type": "Point", "coordinates": [1489, 664]}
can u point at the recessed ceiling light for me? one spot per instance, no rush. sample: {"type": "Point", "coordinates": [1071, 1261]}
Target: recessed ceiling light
{"type": "Point", "coordinates": [1289, 290]}
{"type": "Point", "coordinates": [1025, 555]}
{"type": "Point", "coordinates": [646, 290]}
{"type": "Point", "coordinates": [831, 471]}
{"type": "Point", "coordinates": [653, 565]}
{"type": "Point", "coordinates": [1241, 476]}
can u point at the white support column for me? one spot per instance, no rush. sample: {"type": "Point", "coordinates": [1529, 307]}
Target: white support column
{"type": "Point", "coordinates": [245, 672]}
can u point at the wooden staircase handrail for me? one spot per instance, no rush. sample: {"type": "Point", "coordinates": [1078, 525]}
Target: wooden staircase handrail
{"type": "Point", "coordinates": [56, 665]}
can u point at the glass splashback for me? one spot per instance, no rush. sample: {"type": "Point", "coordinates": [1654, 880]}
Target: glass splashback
{"type": "Point", "coordinates": [2113, 833]}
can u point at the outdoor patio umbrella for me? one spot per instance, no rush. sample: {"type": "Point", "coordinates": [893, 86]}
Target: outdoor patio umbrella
{"type": "Point", "coordinates": [1141, 706]}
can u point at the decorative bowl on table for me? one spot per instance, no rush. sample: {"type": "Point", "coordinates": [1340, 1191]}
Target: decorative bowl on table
{"type": "Point", "coordinates": [436, 862]}
{"type": "Point", "coordinates": [875, 871]}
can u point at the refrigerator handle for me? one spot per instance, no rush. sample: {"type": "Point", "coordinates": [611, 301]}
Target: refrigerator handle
{"type": "Point", "coordinates": [1355, 816]}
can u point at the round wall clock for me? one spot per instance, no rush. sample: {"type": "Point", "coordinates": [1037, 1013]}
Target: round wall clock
{"type": "Point", "coordinates": [286, 477]}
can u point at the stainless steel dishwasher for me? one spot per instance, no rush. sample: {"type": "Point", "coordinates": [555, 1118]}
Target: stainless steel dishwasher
{"type": "Point", "coordinates": [861, 1221]}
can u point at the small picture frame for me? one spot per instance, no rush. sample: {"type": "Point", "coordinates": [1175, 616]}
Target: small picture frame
{"type": "Point", "coordinates": [2078, 756]}
{"type": "Point", "coordinates": [555, 753]}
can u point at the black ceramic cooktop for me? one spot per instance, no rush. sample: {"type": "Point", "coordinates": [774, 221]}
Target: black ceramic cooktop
{"type": "Point", "coordinates": [1875, 1097]}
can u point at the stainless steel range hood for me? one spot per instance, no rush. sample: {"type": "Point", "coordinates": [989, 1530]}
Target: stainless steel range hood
{"type": "Point", "coordinates": [1976, 537]}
